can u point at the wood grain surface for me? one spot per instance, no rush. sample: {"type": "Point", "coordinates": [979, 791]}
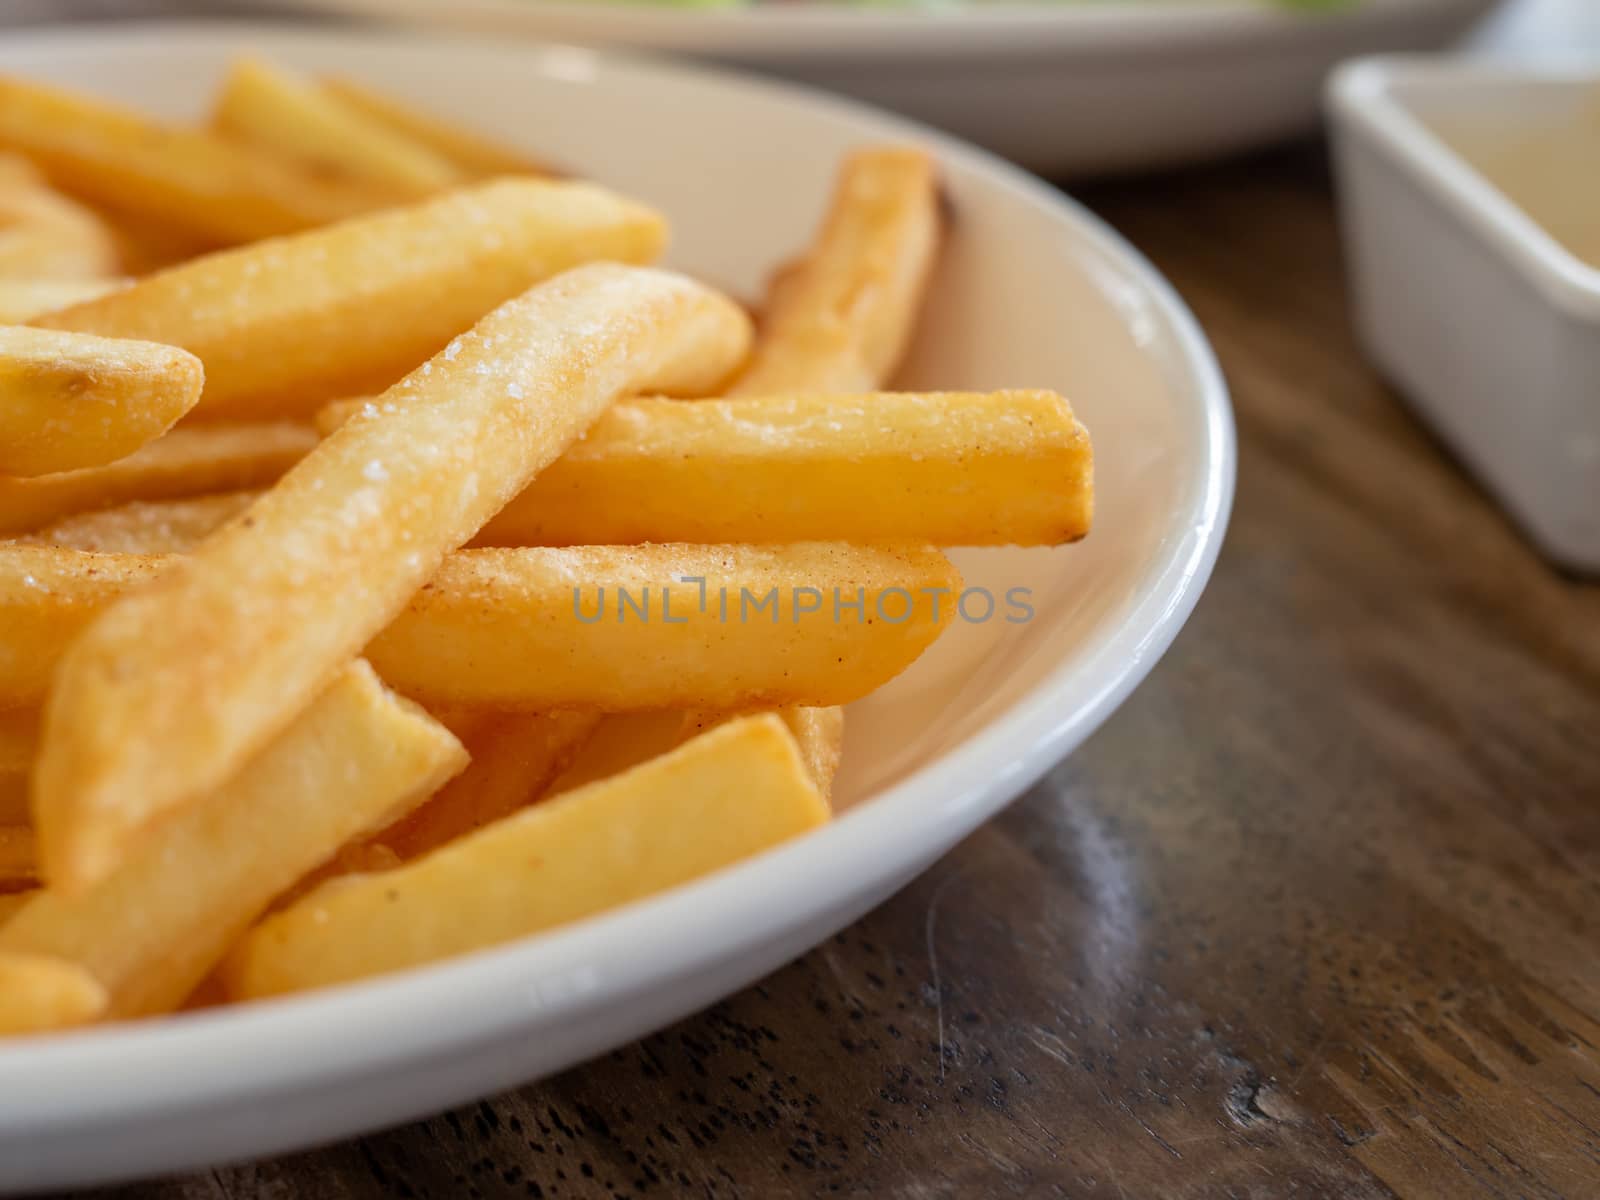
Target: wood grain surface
{"type": "Point", "coordinates": [1315, 914]}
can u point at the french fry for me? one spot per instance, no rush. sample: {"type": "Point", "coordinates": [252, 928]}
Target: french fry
{"type": "Point", "coordinates": [39, 993]}
{"type": "Point", "coordinates": [951, 469]}
{"type": "Point", "coordinates": [22, 300]}
{"type": "Point", "coordinates": [839, 320]}
{"type": "Point", "coordinates": [283, 326]}
{"type": "Point", "coordinates": [475, 155]}
{"type": "Point", "coordinates": [74, 400]}
{"type": "Point", "coordinates": [620, 742]}
{"type": "Point", "coordinates": [150, 931]}
{"type": "Point", "coordinates": [275, 109]}
{"type": "Point", "coordinates": [620, 629]}
{"type": "Point", "coordinates": [818, 732]}
{"type": "Point", "coordinates": [514, 758]}
{"type": "Point", "coordinates": [185, 462]}
{"type": "Point", "coordinates": [19, 860]}
{"type": "Point", "coordinates": [268, 606]}
{"type": "Point", "coordinates": [145, 526]}
{"type": "Point", "coordinates": [738, 790]}
{"type": "Point", "coordinates": [523, 630]}
{"type": "Point", "coordinates": [1007, 468]}
{"type": "Point", "coordinates": [183, 177]}
{"type": "Point", "coordinates": [47, 596]}
{"type": "Point", "coordinates": [47, 235]}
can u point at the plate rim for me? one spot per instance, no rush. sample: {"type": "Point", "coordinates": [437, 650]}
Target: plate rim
{"type": "Point", "coordinates": [1088, 32]}
{"type": "Point", "coordinates": [88, 1078]}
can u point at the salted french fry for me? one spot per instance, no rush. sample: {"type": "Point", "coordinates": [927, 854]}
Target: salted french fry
{"type": "Point", "coordinates": [283, 326]}
{"type": "Point", "coordinates": [22, 300]}
{"type": "Point", "coordinates": [185, 462]}
{"type": "Point", "coordinates": [39, 993]}
{"type": "Point", "coordinates": [734, 792]}
{"type": "Point", "coordinates": [537, 629]}
{"type": "Point", "coordinates": [839, 320]}
{"type": "Point", "coordinates": [47, 596]}
{"type": "Point", "coordinates": [75, 400]}
{"type": "Point", "coordinates": [268, 606]}
{"type": "Point", "coordinates": [19, 860]}
{"type": "Point", "coordinates": [279, 111]}
{"type": "Point", "coordinates": [151, 930]}
{"type": "Point", "coordinates": [1006, 468]}
{"type": "Point", "coordinates": [145, 526]}
{"type": "Point", "coordinates": [185, 177]}
{"type": "Point", "coordinates": [475, 155]}
{"type": "Point", "coordinates": [46, 235]}
{"type": "Point", "coordinates": [625, 628]}
{"type": "Point", "coordinates": [514, 758]}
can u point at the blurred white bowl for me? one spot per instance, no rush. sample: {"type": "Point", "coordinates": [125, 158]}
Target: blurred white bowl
{"type": "Point", "coordinates": [1059, 87]}
{"type": "Point", "coordinates": [1032, 292]}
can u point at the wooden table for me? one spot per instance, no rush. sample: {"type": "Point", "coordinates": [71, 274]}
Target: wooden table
{"type": "Point", "coordinates": [1315, 914]}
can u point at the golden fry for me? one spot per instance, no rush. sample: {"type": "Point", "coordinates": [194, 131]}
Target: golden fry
{"type": "Point", "coordinates": [284, 325]}
{"type": "Point", "coordinates": [817, 732]}
{"type": "Point", "coordinates": [267, 607]}
{"type": "Point", "coordinates": [475, 155]}
{"type": "Point", "coordinates": [622, 628]}
{"type": "Point", "coordinates": [185, 177]}
{"type": "Point", "coordinates": [734, 792]}
{"type": "Point", "coordinates": [145, 526]}
{"type": "Point", "coordinates": [514, 758]}
{"type": "Point", "coordinates": [522, 629]}
{"type": "Point", "coordinates": [43, 234]}
{"type": "Point", "coordinates": [839, 320]}
{"type": "Point", "coordinates": [186, 462]}
{"type": "Point", "coordinates": [39, 993]}
{"type": "Point", "coordinates": [275, 109]}
{"type": "Point", "coordinates": [151, 930]}
{"type": "Point", "coordinates": [23, 300]}
{"type": "Point", "coordinates": [74, 400]}
{"type": "Point", "coordinates": [1007, 468]}
{"type": "Point", "coordinates": [620, 742]}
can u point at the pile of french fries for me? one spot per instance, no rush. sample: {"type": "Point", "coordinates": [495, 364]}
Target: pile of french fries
{"type": "Point", "coordinates": [380, 533]}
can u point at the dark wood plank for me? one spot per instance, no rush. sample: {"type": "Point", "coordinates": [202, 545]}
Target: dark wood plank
{"type": "Point", "coordinates": [1315, 914]}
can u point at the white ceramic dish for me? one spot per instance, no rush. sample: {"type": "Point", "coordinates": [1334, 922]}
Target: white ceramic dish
{"type": "Point", "coordinates": [1488, 325]}
{"type": "Point", "coordinates": [1059, 87]}
{"type": "Point", "coordinates": [1032, 291]}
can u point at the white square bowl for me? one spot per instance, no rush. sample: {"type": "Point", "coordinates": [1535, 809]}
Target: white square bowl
{"type": "Point", "coordinates": [1478, 314]}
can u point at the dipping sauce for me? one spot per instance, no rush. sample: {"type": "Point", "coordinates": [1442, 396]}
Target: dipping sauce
{"type": "Point", "coordinates": [1548, 165]}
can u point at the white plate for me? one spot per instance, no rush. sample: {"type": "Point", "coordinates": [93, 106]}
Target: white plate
{"type": "Point", "coordinates": [1033, 291]}
{"type": "Point", "coordinates": [1059, 87]}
